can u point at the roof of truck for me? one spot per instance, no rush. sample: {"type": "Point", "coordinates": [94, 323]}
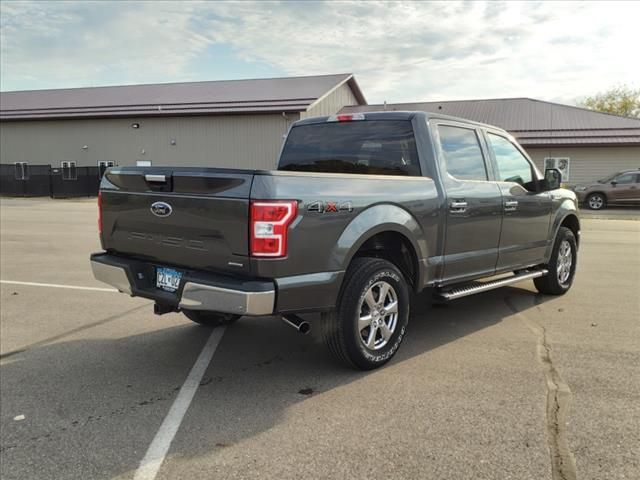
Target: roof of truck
{"type": "Point", "coordinates": [401, 115]}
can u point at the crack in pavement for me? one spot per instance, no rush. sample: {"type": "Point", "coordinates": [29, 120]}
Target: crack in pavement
{"type": "Point", "coordinates": [563, 463]}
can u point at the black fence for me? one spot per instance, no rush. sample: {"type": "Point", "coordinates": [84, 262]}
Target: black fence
{"type": "Point", "coordinates": [28, 180]}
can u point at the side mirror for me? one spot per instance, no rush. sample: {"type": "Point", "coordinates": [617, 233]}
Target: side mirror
{"type": "Point", "coordinates": [614, 183]}
{"type": "Point", "coordinates": [552, 179]}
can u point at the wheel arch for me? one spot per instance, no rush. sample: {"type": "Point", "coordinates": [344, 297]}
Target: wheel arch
{"type": "Point", "coordinates": [386, 231]}
{"type": "Point", "coordinates": [572, 222]}
{"type": "Point", "coordinates": [567, 216]}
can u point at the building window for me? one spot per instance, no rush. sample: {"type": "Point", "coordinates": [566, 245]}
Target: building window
{"type": "Point", "coordinates": [69, 171]}
{"type": "Point", "coordinates": [103, 165]}
{"type": "Point", "coordinates": [22, 171]}
{"type": "Point", "coordinates": [559, 163]}
{"type": "Point", "coordinates": [143, 163]}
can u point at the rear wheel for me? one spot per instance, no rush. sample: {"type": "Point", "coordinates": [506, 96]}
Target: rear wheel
{"type": "Point", "coordinates": [369, 322]}
{"type": "Point", "coordinates": [596, 201]}
{"type": "Point", "coordinates": [562, 266]}
{"type": "Point", "coordinates": [210, 319]}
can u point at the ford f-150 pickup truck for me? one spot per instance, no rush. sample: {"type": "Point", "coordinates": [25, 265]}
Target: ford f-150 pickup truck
{"type": "Point", "coordinates": [363, 211]}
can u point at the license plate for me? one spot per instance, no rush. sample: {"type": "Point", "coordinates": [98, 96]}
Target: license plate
{"type": "Point", "coordinates": [168, 279]}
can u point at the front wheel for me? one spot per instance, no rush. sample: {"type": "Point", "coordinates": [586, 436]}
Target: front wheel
{"type": "Point", "coordinates": [371, 317]}
{"type": "Point", "coordinates": [596, 201]}
{"type": "Point", "coordinates": [562, 267]}
{"type": "Point", "coordinates": [210, 319]}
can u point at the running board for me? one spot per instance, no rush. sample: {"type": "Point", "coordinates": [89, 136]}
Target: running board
{"type": "Point", "coordinates": [478, 287]}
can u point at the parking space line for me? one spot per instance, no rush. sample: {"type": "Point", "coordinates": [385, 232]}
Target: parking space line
{"type": "Point", "coordinates": [55, 285]}
{"type": "Point", "coordinates": [152, 461]}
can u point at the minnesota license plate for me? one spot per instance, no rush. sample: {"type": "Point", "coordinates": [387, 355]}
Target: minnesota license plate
{"type": "Point", "coordinates": [168, 279]}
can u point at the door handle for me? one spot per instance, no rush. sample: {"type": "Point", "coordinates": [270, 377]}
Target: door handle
{"type": "Point", "coordinates": [155, 178]}
{"type": "Point", "coordinates": [458, 206]}
{"type": "Point", "coordinates": [510, 205]}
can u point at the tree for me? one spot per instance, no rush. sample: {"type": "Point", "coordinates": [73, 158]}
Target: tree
{"type": "Point", "coordinates": [620, 100]}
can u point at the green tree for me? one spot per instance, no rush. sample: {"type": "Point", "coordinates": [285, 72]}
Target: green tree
{"type": "Point", "coordinates": [620, 100]}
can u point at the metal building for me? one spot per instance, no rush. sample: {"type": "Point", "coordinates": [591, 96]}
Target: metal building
{"type": "Point", "coordinates": [237, 123]}
{"type": "Point", "coordinates": [584, 144]}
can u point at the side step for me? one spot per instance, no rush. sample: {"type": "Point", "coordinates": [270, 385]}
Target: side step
{"type": "Point", "coordinates": [478, 287]}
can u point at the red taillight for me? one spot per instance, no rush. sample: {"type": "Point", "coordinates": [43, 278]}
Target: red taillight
{"type": "Point", "coordinates": [269, 227]}
{"type": "Point", "coordinates": [100, 213]}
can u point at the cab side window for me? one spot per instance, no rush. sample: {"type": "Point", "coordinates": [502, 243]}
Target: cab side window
{"type": "Point", "coordinates": [512, 165]}
{"type": "Point", "coordinates": [462, 153]}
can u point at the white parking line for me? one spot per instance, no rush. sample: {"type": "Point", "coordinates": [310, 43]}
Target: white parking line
{"type": "Point", "coordinates": [150, 464]}
{"type": "Point", "coordinates": [55, 285]}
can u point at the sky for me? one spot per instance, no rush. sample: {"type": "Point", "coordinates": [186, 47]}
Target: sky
{"type": "Point", "coordinates": [398, 51]}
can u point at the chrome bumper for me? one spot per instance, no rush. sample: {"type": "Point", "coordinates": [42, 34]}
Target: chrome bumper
{"type": "Point", "coordinates": [114, 276]}
{"type": "Point", "coordinates": [194, 296]}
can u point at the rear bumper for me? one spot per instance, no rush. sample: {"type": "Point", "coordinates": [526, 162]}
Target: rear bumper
{"type": "Point", "coordinates": [198, 290]}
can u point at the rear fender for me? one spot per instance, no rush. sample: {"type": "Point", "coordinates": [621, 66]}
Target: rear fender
{"type": "Point", "coordinates": [374, 220]}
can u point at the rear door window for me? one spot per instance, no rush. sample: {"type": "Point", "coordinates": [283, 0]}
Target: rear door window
{"type": "Point", "coordinates": [382, 147]}
{"type": "Point", "coordinates": [462, 153]}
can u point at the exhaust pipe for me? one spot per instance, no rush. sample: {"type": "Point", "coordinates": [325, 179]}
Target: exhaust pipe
{"type": "Point", "coordinates": [298, 323]}
{"type": "Point", "coordinates": [160, 309]}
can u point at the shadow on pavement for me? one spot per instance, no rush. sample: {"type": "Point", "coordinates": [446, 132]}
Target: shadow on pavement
{"type": "Point", "coordinates": [93, 406]}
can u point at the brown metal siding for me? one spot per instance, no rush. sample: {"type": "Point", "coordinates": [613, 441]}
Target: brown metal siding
{"type": "Point", "coordinates": [241, 141]}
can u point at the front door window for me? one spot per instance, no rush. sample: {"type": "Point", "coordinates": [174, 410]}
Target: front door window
{"type": "Point", "coordinates": [511, 164]}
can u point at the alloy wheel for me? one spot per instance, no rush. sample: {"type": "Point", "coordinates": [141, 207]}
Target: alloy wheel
{"type": "Point", "coordinates": [565, 262]}
{"type": "Point", "coordinates": [378, 315]}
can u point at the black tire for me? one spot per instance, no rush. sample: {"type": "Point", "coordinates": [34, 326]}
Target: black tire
{"type": "Point", "coordinates": [596, 201]}
{"type": "Point", "coordinates": [210, 319]}
{"type": "Point", "coordinates": [551, 284]}
{"type": "Point", "coordinates": [340, 327]}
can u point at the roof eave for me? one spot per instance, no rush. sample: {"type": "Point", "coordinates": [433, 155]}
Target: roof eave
{"type": "Point", "coordinates": [138, 114]}
{"type": "Point", "coordinates": [353, 85]}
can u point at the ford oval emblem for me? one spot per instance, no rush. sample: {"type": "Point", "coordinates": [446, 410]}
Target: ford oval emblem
{"type": "Point", "coordinates": [161, 209]}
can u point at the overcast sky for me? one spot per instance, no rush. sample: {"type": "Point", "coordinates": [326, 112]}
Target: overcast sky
{"type": "Point", "coordinates": [399, 51]}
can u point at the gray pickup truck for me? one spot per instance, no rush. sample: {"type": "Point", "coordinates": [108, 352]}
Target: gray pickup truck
{"type": "Point", "coordinates": [364, 211]}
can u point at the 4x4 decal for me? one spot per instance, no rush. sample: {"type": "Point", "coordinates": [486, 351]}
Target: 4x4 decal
{"type": "Point", "coordinates": [329, 207]}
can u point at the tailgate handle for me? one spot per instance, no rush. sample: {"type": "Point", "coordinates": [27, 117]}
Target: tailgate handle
{"type": "Point", "coordinates": [155, 178]}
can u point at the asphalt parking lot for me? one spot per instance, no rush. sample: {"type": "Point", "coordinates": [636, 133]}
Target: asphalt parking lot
{"type": "Point", "coordinates": [504, 385]}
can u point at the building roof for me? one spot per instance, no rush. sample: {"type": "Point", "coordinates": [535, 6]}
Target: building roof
{"type": "Point", "coordinates": [271, 95]}
{"type": "Point", "coordinates": [533, 122]}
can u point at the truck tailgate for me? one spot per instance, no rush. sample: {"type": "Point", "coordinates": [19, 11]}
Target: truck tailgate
{"type": "Point", "coordinates": [191, 217]}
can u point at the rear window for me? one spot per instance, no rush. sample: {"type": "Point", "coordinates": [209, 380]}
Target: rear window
{"type": "Point", "coordinates": [382, 147]}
